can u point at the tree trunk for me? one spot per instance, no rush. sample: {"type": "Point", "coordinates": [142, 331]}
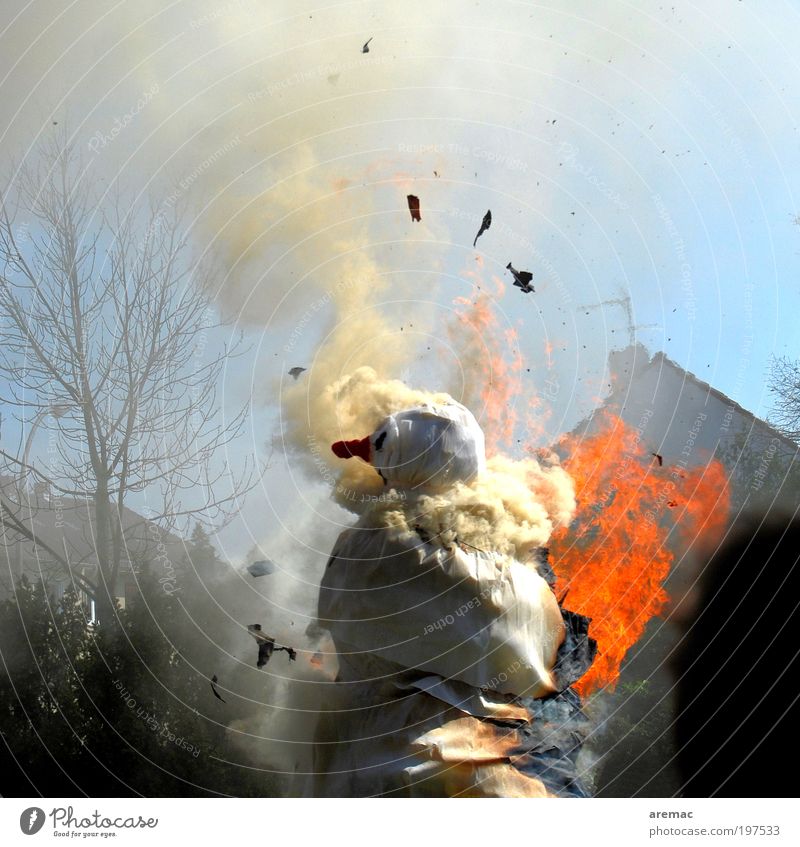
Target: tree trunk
{"type": "Point", "coordinates": [106, 578]}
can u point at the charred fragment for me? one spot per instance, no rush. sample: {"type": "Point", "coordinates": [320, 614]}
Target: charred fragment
{"type": "Point", "coordinates": [577, 651]}
{"type": "Point", "coordinates": [522, 279]}
{"type": "Point", "coordinates": [214, 680]}
{"type": "Point", "coordinates": [541, 560]}
{"type": "Point", "coordinates": [267, 646]}
{"type": "Point", "coordinates": [551, 742]}
{"type": "Point", "coordinates": [423, 534]}
{"type": "Point", "coordinates": [295, 372]}
{"type": "Point", "coordinates": [413, 207]}
{"type": "Point", "coordinates": [485, 224]}
{"type": "Point", "coordinates": [261, 568]}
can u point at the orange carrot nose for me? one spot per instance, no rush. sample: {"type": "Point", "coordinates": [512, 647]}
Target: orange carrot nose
{"type": "Point", "coordinates": [358, 447]}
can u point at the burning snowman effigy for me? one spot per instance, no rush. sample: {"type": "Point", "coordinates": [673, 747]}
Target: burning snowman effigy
{"type": "Point", "coordinates": [455, 658]}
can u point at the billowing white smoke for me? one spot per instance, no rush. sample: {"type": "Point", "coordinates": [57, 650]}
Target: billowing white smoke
{"type": "Point", "coordinates": [512, 508]}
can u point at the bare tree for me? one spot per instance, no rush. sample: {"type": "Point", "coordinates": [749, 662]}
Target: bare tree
{"type": "Point", "coordinates": [784, 384]}
{"type": "Point", "coordinates": [105, 322]}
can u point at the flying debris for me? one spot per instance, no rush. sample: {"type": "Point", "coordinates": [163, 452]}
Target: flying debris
{"type": "Point", "coordinates": [413, 207]}
{"type": "Point", "coordinates": [261, 568]}
{"type": "Point", "coordinates": [267, 646]}
{"type": "Point", "coordinates": [487, 222]}
{"type": "Point", "coordinates": [365, 48]}
{"type": "Point", "coordinates": [659, 458]}
{"type": "Point", "coordinates": [522, 279]}
{"type": "Point", "coordinates": [295, 372]}
{"type": "Point", "coordinates": [214, 688]}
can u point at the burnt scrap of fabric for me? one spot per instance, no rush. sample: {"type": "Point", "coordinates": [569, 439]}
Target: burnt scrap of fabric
{"type": "Point", "coordinates": [267, 646]}
{"type": "Point", "coordinates": [577, 650]}
{"type": "Point", "coordinates": [485, 224]}
{"type": "Point", "coordinates": [261, 568]}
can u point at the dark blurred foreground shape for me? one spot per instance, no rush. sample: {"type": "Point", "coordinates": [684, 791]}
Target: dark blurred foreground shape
{"type": "Point", "coordinates": [738, 673]}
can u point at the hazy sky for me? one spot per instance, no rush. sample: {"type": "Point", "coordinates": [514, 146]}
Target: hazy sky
{"type": "Point", "coordinates": [627, 150]}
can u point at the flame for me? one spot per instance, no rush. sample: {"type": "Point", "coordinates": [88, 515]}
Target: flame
{"type": "Point", "coordinates": [490, 355]}
{"type": "Point", "coordinates": [632, 514]}
{"type": "Point", "coordinates": [540, 406]}
{"type": "Point", "coordinates": [614, 558]}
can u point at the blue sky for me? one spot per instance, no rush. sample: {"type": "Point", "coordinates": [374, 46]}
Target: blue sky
{"type": "Point", "coordinates": [644, 151]}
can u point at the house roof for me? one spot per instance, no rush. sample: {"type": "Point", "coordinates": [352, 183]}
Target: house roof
{"type": "Point", "coordinates": [643, 360]}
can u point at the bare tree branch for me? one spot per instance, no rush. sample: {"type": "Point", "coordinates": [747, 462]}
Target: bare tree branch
{"type": "Point", "coordinates": [784, 384]}
{"type": "Point", "coordinates": [110, 337]}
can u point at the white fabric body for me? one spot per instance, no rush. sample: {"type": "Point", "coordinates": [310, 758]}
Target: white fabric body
{"type": "Point", "coordinates": [484, 619]}
{"type": "Point", "coordinates": [431, 642]}
{"type": "Point", "coordinates": [439, 645]}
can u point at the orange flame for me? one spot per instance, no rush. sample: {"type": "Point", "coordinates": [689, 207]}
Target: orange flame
{"type": "Point", "coordinates": [614, 558]}
{"type": "Point", "coordinates": [490, 355]}
{"type": "Point", "coordinates": [632, 513]}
